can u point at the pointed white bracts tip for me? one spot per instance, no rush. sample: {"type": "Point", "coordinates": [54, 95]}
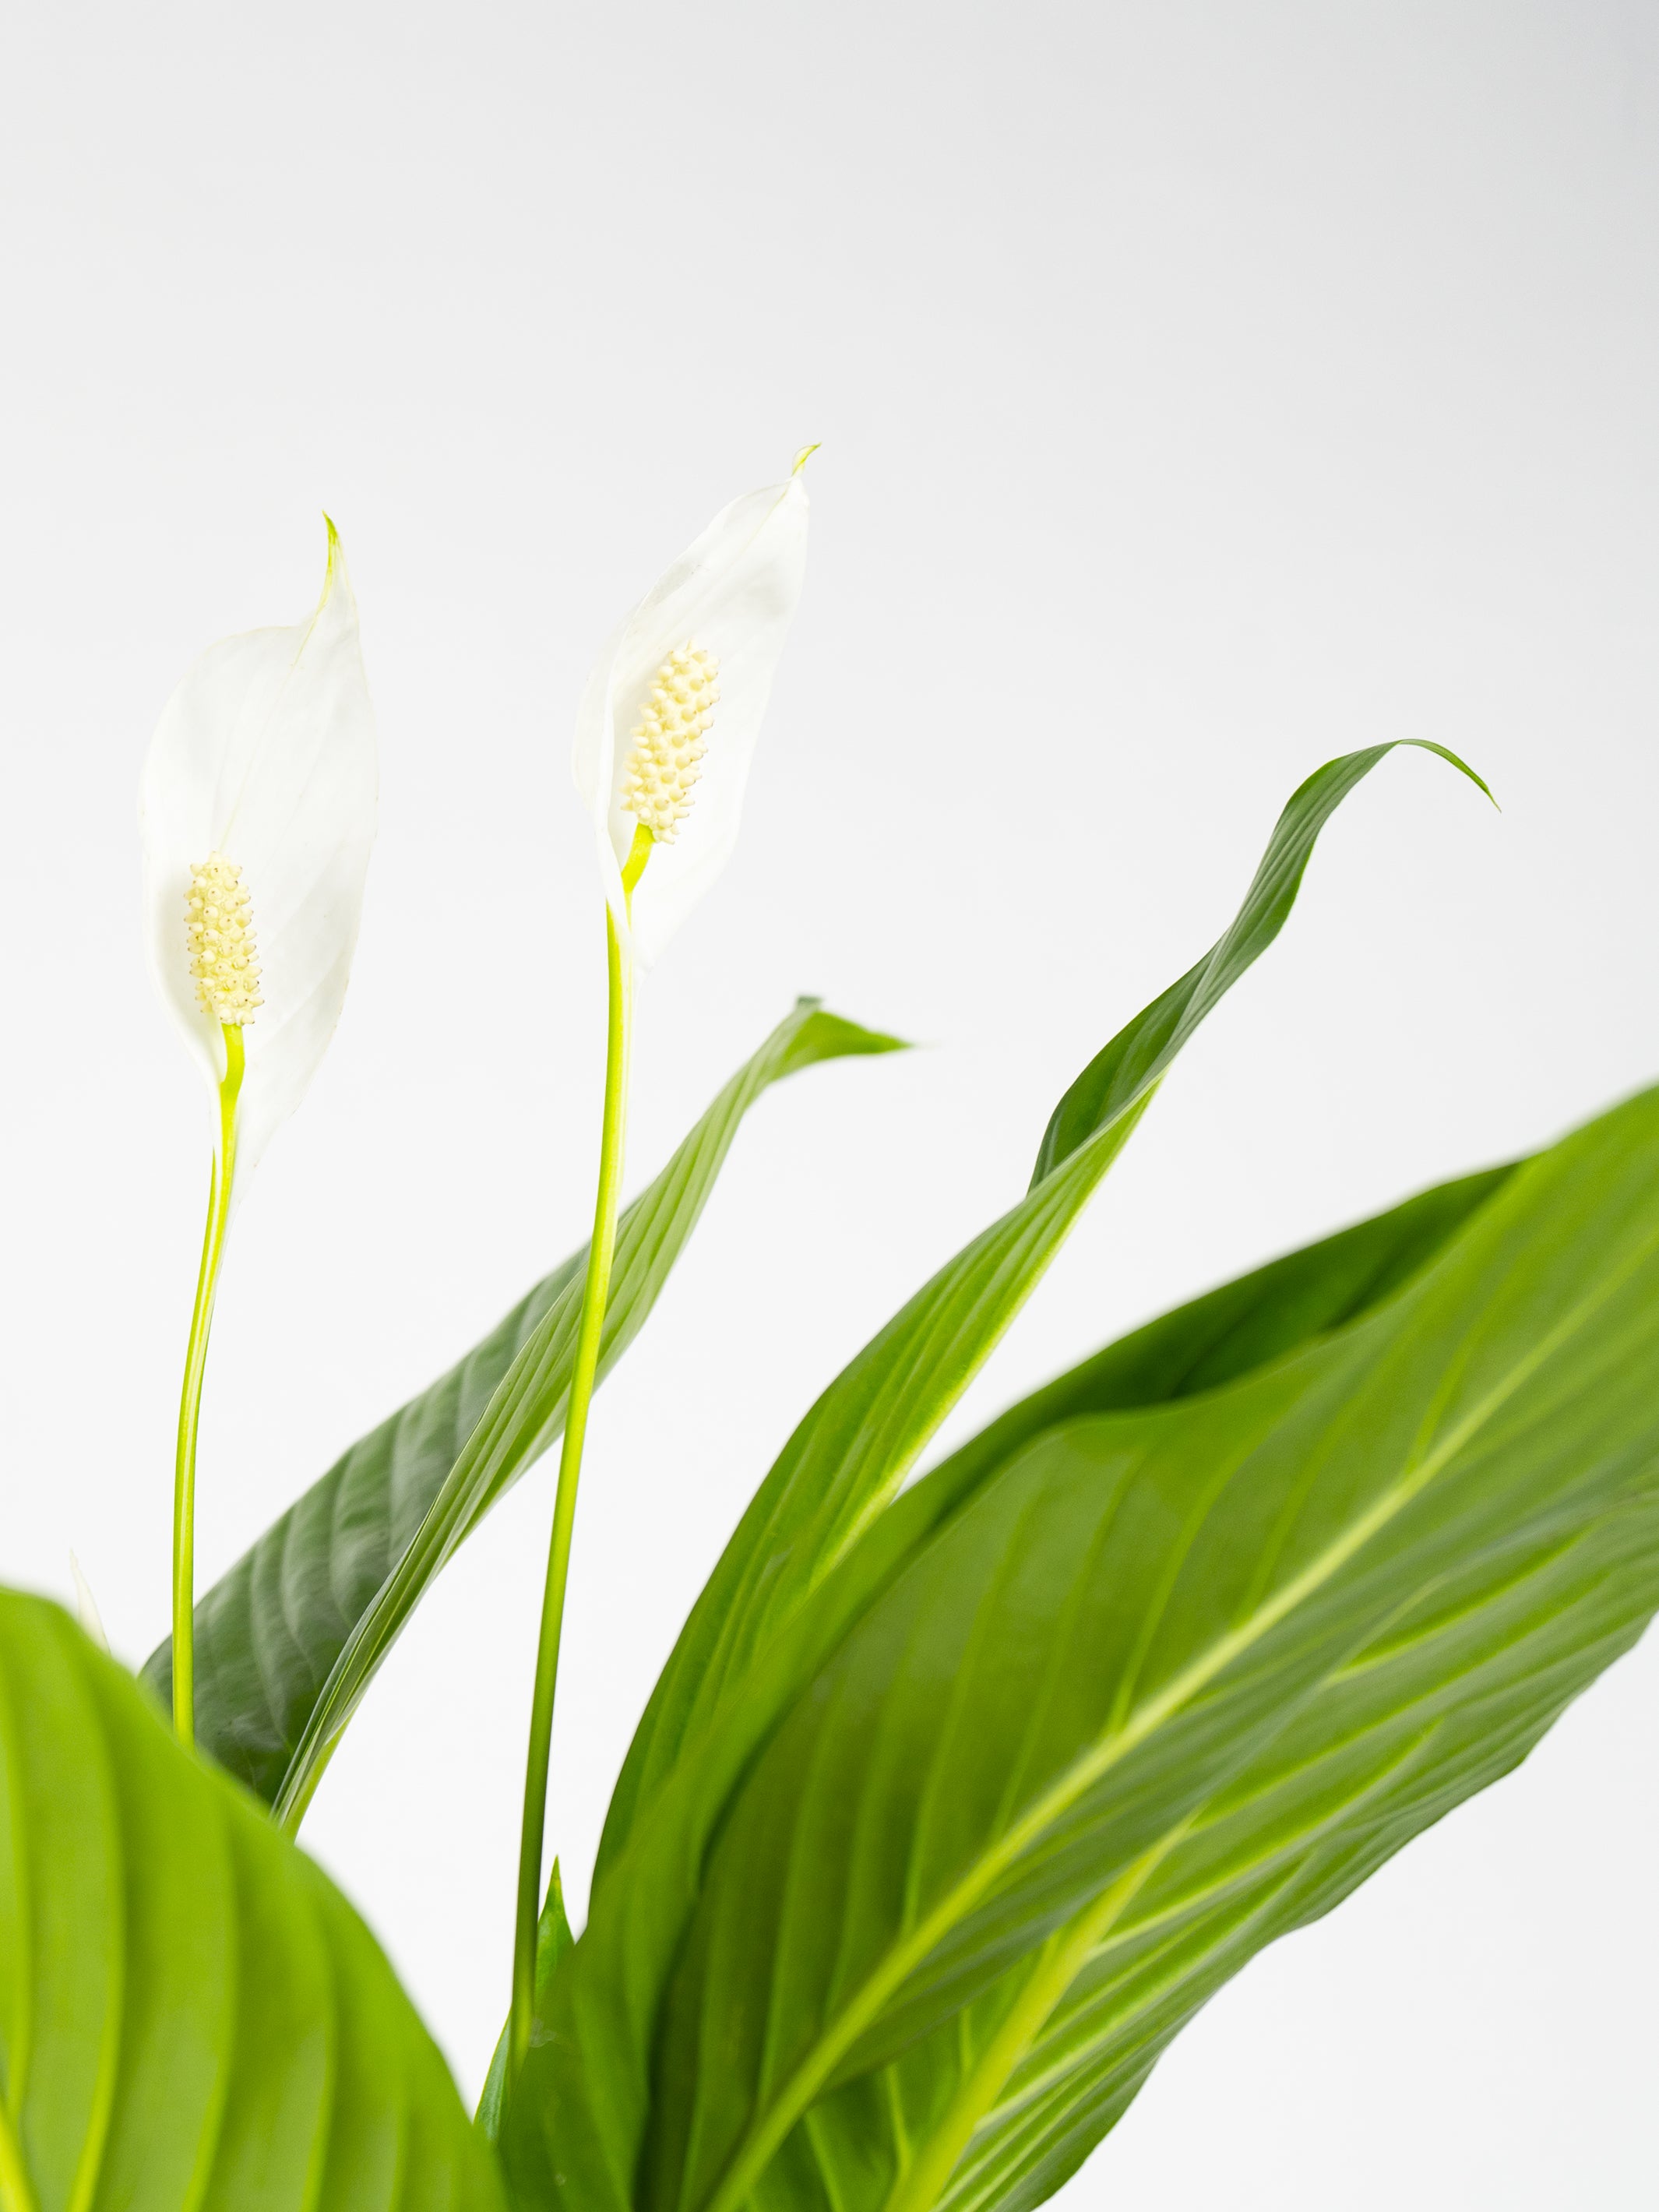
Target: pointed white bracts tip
{"type": "Point", "coordinates": [224, 956]}
{"type": "Point", "coordinates": [669, 741]}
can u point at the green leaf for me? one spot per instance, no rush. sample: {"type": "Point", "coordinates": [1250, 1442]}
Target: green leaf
{"type": "Point", "coordinates": [640, 1916]}
{"type": "Point", "coordinates": [847, 1458]}
{"type": "Point", "coordinates": [1166, 1683]}
{"type": "Point", "coordinates": [190, 2013]}
{"type": "Point", "coordinates": [553, 1941]}
{"type": "Point", "coordinates": [288, 1641]}
{"type": "Point", "coordinates": [785, 1591]}
{"type": "Point", "coordinates": [1138, 1055]}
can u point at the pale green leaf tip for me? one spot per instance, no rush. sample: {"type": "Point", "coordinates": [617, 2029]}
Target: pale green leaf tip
{"type": "Point", "coordinates": [870, 1041]}
{"type": "Point", "coordinates": [807, 1004]}
{"type": "Point", "coordinates": [803, 457]}
{"type": "Point", "coordinates": [335, 557]}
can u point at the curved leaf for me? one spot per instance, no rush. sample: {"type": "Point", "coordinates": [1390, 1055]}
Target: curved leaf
{"type": "Point", "coordinates": [849, 1456]}
{"type": "Point", "coordinates": [345, 1565]}
{"type": "Point", "coordinates": [607, 2004]}
{"type": "Point", "coordinates": [1138, 1055]}
{"type": "Point", "coordinates": [191, 2014]}
{"type": "Point", "coordinates": [822, 1536]}
{"type": "Point", "coordinates": [1168, 1683]}
{"type": "Point", "coordinates": [1445, 1703]}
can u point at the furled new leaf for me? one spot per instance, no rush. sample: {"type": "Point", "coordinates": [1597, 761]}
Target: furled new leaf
{"type": "Point", "coordinates": [768, 1616]}
{"type": "Point", "coordinates": [345, 1565]}
{"type": "Point", "coordinates": [553, 1941]}
{"type": "Point", "coordinates": [1162, 1684]}
{"type": "Point", "coordinates": [190, 2012]}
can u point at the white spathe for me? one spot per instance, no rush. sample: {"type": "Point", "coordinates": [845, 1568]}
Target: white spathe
{"type": "Point", "coordinates": [733, 592]}
{"type": "Point", "coordinates": [266, 753]}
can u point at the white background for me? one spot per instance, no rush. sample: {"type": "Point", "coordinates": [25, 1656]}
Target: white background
{"type": "Point", "coordinates": [1206, 389]}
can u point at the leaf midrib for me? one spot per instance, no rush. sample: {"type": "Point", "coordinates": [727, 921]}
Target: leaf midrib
{"type": "Point", "coordinates": [1098, 1931]}
{"type": "Point", "coordinates": [1002, 2112]}
{"type": "Point", "coordinates": [1060, 1961]}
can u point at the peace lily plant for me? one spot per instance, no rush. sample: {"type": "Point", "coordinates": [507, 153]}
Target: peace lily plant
{"type": "Point", "coordinates": [962, 1790]}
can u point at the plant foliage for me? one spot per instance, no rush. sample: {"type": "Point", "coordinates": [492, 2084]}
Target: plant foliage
{"type": "Point", "coordinates": [1158, 1669]}
{"type": "Point", "coordinates": [958, 1796]}
{"type": "Point", "coordinates": [190, 2013]}
{"type": "Point", "coordinates": [289, 1638]}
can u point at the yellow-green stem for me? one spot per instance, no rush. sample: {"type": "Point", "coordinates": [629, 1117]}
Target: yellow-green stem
{"type": "Point", "coordinates": [596, 1287]}
{"type": "Point", "coordinates": [190, 1402]}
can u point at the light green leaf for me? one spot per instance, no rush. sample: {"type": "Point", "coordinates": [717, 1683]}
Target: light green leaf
{"type": "Point", "coordinates": [774, 1607]}
{"type": "Point", "coordinates": [1164, 1684]}
{"type": "Point", "coordinates": [190, 2013]}
{"type": "Point", "coordinates": [305, 1618]}
{"type": "Point", "coordinates": [847, 1458]}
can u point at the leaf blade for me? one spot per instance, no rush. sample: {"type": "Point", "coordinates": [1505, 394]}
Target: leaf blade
{"type": "Point", "coordinates": [213, 2026]}
{"type": "Point", "coordinates": [1451, 1488]}
{"type": "Point", "coordinates": [1138, 1053]}
{"type": "Point", "coordinates": [847, 1458]}
{"type": "Point", "coordinates": [271, 1632]}
{"type": "Point", "coordinates": [779, 1600]}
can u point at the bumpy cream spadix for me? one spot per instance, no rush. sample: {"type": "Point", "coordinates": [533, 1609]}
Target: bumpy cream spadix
{"type": "Point", "coordinates": [668, 725]}
{"type": "Point", "coordinates": [224, 954]}
{"type": "Point", "coordinates": [670, 739]}
{"type": "Point", "coordinates": [258, 818]}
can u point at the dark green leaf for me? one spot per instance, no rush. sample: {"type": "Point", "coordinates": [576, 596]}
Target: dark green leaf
{"type": "Point", "coordinates": [190, 2012]}
{"type": "Point", "coordinates": [308, 1613]}
{"type": "Point", "coordinates": [1165, 1683]}
{"type": "Point", "coordinates": [823, 1535]}
{"type": "Point", "coordinates": [1137, 1056]}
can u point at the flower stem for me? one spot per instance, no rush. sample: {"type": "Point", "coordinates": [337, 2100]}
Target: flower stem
{"type": "Point", "coordinates": [190, 1402]}
{"type": "Point", "coordinates": [596, 1288]}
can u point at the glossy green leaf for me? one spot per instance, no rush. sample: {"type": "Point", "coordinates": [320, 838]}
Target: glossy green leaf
{"type": "Point", "coordinates": [847, 1458]}
{"type": "Point", "coordinates": [190, 2013]}
{"type": "Point", "coordinates": [288, 1640]}
{"type": "Point", "coordinates": [771, 1610]}
{"type": "Point", "coordinates": [1164, 1683]}
{"type": "Point", "coordinates": [607, 2005]}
